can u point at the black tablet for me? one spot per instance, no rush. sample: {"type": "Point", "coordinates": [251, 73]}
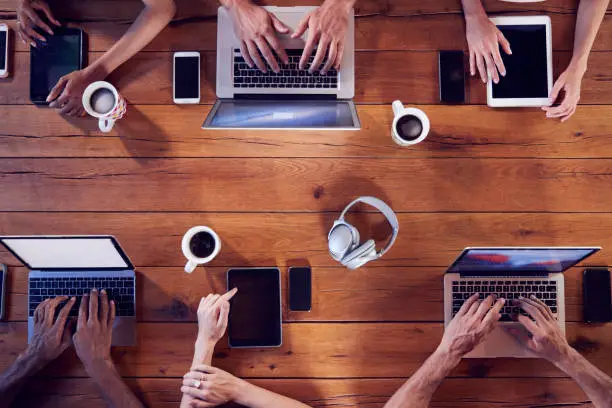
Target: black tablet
{"type": "Point", "coordinates": [61, 54]}
{"type": "Point", "coordinates": [255, 316]}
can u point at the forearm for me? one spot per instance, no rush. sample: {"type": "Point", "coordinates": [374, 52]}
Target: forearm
{"type": "Point", "coordinates": [13, 379]}
{"type": "Point", "coordinates": [473, 8]}
{"type": "Point", "coordinates": [595, 383]}
{"type": "Point", "coordinates": [418, 390]}
{"type": "Point", "coordinates": [154, 17]}
{"type": "Point", "coordinates": [589, 18]}
{"type": "Point", "coordinates": [115, 392]}
{"type": "Point", "coordinates": [253, 396]}
{"type": "Point", "coordinates": [203, 354]}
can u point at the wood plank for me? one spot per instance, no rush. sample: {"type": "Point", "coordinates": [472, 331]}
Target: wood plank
{"type": "Point", "coordinates": [174, 131]}
{"type": "Point", "coordinates": [424, 32]}
{"type": "Point", "coordinates": [367, 294]}
{"type": "Point", "coordinates": [322, 184]}
{"type": "Point", "coordinates": [153, 239]}
{"type": "Point", "coordinates": [454, 392]}
{"type": "Point", "coordinates": [320, 350]}
{"type": "Point", "coordinates": [381, 77]}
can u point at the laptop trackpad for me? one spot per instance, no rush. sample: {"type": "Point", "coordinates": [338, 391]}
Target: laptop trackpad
{"type": "Point", "coordinates": [500, 343]}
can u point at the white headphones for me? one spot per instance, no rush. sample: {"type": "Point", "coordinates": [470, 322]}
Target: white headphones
{"type": "Point", "coordinates": [343, 238]}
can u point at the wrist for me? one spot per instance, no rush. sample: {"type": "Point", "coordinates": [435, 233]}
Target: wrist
{"type": "Point", "coordinates": [98, 69]}
{"type": "Point", "coordinates": [31, 360]}
{"type": "Point", "coordinates": [229, 4]}
{"type": "Point", "coordinates": [446, 358]}
{"type": "Point", "coordinates": [241, 391]}
{"type": "Point", "coordinates": [579, 64]}
{"type": "Point", "coordinates": [567, 359]}
{"type": "Point", "coordinates": [98, 366]}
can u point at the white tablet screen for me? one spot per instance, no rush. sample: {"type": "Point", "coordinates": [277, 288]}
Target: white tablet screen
{"type": "Point", "coordinates": [526, 75]}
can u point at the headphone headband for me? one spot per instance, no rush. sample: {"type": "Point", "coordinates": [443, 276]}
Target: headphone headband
{"type": "Point", "coordinates": [385, 210]}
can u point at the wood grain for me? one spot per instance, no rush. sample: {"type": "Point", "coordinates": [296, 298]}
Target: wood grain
{"type": "Point", "coordinates": [253, 239]}
{"type": "Point", "coordinates": [368, 294]}
{"type": "Point", "coordinates": [456, 392]}
{"type": "Point", "coordinates": [174, 131]}
{"type": "Point", "coordinates": [288, 185]}
{"type": "Point", "coordinates": [313, 350]}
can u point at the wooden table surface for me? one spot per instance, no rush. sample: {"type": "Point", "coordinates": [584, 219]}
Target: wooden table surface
{"type": "Point", "coordinates": [484, 177]}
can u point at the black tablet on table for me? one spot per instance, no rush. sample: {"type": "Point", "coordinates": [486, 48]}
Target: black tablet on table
{"type": "Point", "coordinates": [255, 316]}
{"type": "Point", "coordinates": [61, 54]}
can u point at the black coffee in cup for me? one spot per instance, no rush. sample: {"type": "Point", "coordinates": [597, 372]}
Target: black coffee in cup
{"type": "Point", "coordinates": [409, 127]}
{"type": "Point", "coordinates": [202, 244]}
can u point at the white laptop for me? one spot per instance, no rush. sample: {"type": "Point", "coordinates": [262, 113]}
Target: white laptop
{"type": "Point", "coordinates": [291, 99]}
{"type": "Point", "coordinates": [510, 272]}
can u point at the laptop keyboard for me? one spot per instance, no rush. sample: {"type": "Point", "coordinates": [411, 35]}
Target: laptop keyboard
{"type": "Point", "coordinates": [119, 289]}
{"type": "Point", "coordinates": [509, 289]}
{"type": "Point", "coordinates": [290, 75]}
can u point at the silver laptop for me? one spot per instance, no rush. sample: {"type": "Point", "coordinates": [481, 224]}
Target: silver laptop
{"type": "Point", "coordinates": [72, 266]}
{"type": "Point", "coordinates": [291, 99]}
{"type": "Point", "coordinates": [510, 272]}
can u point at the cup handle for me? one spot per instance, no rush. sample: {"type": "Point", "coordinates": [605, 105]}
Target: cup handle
{"type": "Point", "coordinates": [190, 267]}
{"type": "Point", "coordinates": [398, 107]}
{"type": "Point", "coordinates": [106, 124]}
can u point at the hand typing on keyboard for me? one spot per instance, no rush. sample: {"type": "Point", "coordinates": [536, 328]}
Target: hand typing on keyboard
{"type": "Point", "coordinates": [327, 26]}
{"type": "Point", "coordinates": [51, 337]}
{"type": "Point", "coordinates": [474, 321]}
{"type": "Point", "coordinates": [256, 29]}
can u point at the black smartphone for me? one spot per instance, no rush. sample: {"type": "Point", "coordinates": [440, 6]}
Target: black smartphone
{"type": "Point", "coordinates": [61, 54]}
{"type": "Point", "coordinates": [3, 270]}
{"type": "Point", "coordinates": [452, 76]}
{"type": "Point", "coordinates": [597, 295]}
{"type": "Point", "coordinates": [300, 289]}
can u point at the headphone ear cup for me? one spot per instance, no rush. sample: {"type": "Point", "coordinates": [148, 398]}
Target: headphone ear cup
{"type": "Point", "coordinates": [342, 239]}
{"type": "Point", "coordinates": [361, 255]}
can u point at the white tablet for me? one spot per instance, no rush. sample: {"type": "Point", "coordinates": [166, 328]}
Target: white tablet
{"type": "Point", "coordinates": [528, 79]}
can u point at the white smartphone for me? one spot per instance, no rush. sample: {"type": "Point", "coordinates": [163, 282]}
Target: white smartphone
{"type": "Point", "coordinates": [186, 77]}
{"type": "Point", "coordinates": [4, 54]}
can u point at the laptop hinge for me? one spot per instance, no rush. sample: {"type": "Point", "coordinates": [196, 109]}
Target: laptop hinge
{"type": "Point", "coordinates": [285, 97]}
{"type": "Point", "coordinates": [504, 274]}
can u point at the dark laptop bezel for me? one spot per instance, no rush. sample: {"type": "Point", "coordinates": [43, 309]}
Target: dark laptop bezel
{"type": "Point", "coordinates": [129, 265]}
{"type": "Point", "coordinates": [497, 272]}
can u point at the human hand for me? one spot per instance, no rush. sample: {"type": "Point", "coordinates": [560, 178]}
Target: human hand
{"type": "Point", "coordinates": [92, 340]}
{"type": "Point", "coordinates": [546, 340]}
{"type": "Point", "coordinates": [256, 30]}
{"type": "Point", "coordinates": [67, 95]}
{"type": "Point", "coordinates": [327, 25]}
{"type": "Point", "coordinates": [569, 81]}
{"type": "Point", "coordinates": [28, 19]}
{"type": "Point", "coordinates": [483, 38]}
{"type": "Point", "coordinates": [210, 386]}
{"type": "Point", "coordinates": [213, 312]}
{"type": "Point", "coordinates": [474, 321]}
{"type": "Point", "coordinates": [50, 338]}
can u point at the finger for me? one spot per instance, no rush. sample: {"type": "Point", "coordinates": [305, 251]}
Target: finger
{"type": "Point", "coordinates": [223, 315]}
{"type": "Point", "coordinates": [320, 55]}
{"type": "Point", "coordinates": [211, 300]}
{"type": "Point", "coordinates": [194, 392]}
{"type": "Point", "coordinates": [491, 69]}
{"type": "Point", "coordinates": [188, 381]}
{"type": "Point", "coordinates": [569, 115]}
{"type": "Point", "coordinates": [47, 10]}
{"type": "Point", "coordinates": [559, 111]}
{"type": "Point", "coordinates": [492, 316]}
{"type": "Point", "coordinates": [196, 375]}
{"type": "Point", "coordinates": [111, 314]}
{"type": "Point", "coordinates": [481, 67]}
{"type": "Point", "coordinates": [302, 26]}
{"type": "Point", "coordinates": [245, 54]}
{"type": "Point", "coordinates": [254, 52]}
{"type": "Point", "coordinates": [472, 63]}
{"type": "Point", "coordinates": [267, 53]}
{"type": "Point", "coordinates": [499, 63]}
{"type": "Point", "coordinates": [554, 93]}
{"type": "Point", "coordinates": [340, 55]}
{"type": "Point", "coordinates": [104, 306]}
{"type": "Point", "coordinates": [331, 57]}
{"type": "Point", "coordinates": [93, 307]}
{"type": "Point", "coordinates": [229, 294]}
{"type": "Point", "coordinates": [39, 313]}
{"type": "Point", "coordinates": [520, 335]}
{"type": "Point", "coordinates": [467, 304]}
{"type": "Point", "coordinates": [67, 109]}
{"type": "Point", "coordinates": [33, 33]}
{"type": "Point", "coordinates": [38, 21]}
{"type": "Point", "coordinates": [50, 309]}
{"type": "Point", "coordinates": [205, 368]}
{"type": "Point", "coordinates": [308, 48]}
{"type": "Point", "coordinates": [529, 325]}
{"type": "Point", "coordinates": [278, 25]}
{"type": "Point", "coordinates": [57, 89]}
{"type": "Point", "coordinates": [196, 403]}
{"type": "Point", "coordinates": [484, 307]}
{"type": "Point", "coordinates": [82, 319]}
{"type": "Point", "coordinates": [63, 314]}
{"type": "Point", "coordinates": [25, 37]}
{"type": "Point", "coordinates": [473, 308]}
{"type": "Point", "coordinates": [545, 310]}
{"type": "Point", "coordinates": [277, 47]}
{"type": "Point", "coordinates": [505, 44]}
{"type": "Point", "coordinates": [533, 310]}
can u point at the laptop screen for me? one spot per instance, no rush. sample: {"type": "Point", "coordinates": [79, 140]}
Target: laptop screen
{"type": "Point", "coordinates": [257, 114]}
{"type": "Point", "coordinates": [48, 253]}
{"type": "Point", "coordinates": [519, 259]}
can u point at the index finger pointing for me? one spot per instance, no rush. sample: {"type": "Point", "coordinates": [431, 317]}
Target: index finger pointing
{"type": "Point", "coordinates": [230, 294]}
{"type": "Point", "coordinates": [63, 315]}
{"type": "Point", "coordinates": [467, 304]}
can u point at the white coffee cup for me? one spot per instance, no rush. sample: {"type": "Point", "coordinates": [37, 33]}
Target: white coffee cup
{"type": "Point", "coordinates": [111, 105]}
{"type": "Point", "coordinates": [193, 260]}
{"type": "Point", "coordinates": [402, 114]}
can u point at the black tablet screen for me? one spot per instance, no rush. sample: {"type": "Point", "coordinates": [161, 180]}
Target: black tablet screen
{"type": "Point", "coordinates": [526, 70]}
{"type": "Point", "coordinates": [255, 312]}
{"type": "Point", "coordinates": [49, 61]}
